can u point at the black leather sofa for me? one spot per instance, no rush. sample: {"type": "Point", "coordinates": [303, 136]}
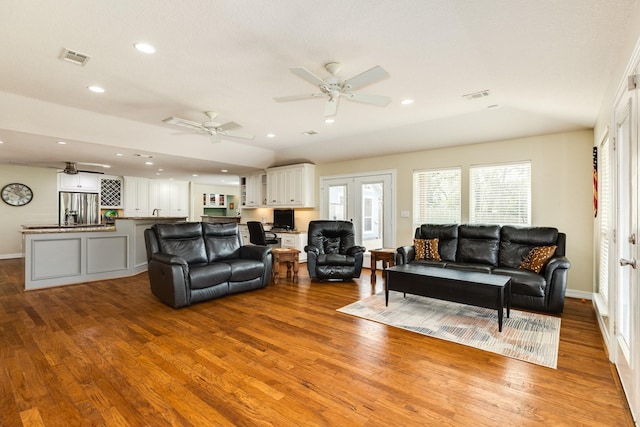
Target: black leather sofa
{"type": "Point", "coordinates": [494, 249]}
{"type": "Point", "coordinates": [332, 253]}
{"type": "Point", "coordinates": [190, 262]}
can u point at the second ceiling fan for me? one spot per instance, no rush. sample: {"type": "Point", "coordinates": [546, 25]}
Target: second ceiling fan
{"type": "Point", "coordinates": [214, 129]}
{"type": "Point", "coordinates": [333, 88]}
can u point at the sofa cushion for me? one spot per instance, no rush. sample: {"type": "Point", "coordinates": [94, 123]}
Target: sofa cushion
{"type": "Point", "coordinates": [524, 282]}
{"type": "Point", "coordinates": [517, 242]}
{"type": "Point", "coordinates": [222, 241]}
{"type": "Point", "coordinates": [426, 249]}
{"type": "Point", "coordinates": [205, 275]}
{"type": "Point", "coordinates": [538, 258]}
{"type": "Point", "coordinates": [478, 244]}
{"type": "Point", "coordinates": [447, 235]}
{"type": "Point", "coordinates": [182, 239]}
{"type": "Point", "coordinates": [245, 269]}
{"type": "Point", "coordinates": [430, 263]}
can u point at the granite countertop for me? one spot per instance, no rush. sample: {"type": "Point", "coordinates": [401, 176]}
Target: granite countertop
{"type": "Point", "coordinates": [42, 229]}
{"type": "Point", "coordinates": [147, 218]}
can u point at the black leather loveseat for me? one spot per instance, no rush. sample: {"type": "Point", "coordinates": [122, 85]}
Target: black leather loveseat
{"type": "Point", "coordinates": [191, 262]}
{"type": "Point", "coordinates": [507, 250]}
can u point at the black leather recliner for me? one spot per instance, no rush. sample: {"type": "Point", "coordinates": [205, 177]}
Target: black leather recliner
{"type": "Point", "coordinates": [332, 252]}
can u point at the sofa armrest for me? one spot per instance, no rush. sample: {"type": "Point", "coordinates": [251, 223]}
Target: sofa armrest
{"type": "Point", "coordinates": [555, 274]}
{"type": "Point", "coordinates": [354, 250]}
{"type": "Point", "coordinates": [405, 254]}
{"type": "Point", "coordinates": [169, 259]}
{"type": "Point", "coordinates": [314, 249]}
{"type": "Point", "coordinates": [169, 279]}
{"type": "Point", "coordinates": [259, 253]}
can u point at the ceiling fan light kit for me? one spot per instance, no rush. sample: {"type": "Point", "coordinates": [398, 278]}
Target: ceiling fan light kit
{"type": "Point", "coordinates": [333, 88]}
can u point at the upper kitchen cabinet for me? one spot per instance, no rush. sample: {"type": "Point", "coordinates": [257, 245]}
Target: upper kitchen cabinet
{"type": "Point", "coordinates": [136, 197]}
{"type": "Point", "coordinates": [291, 186]}
{"type": "Point", "coordinates": [110, 192]}
{"type": "Point", "coordinates": [79, 182]}
{"type": "Point", "coordinates": [253, 189]}
{"type": "Point", "coordinates": [171, 198]}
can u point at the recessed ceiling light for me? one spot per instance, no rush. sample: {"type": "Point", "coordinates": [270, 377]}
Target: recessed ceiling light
{"type": "Point", "coordinates": [119, 154]}
{"type": "Point", "coordinates": [271, 135]}
{"type": "Point", "coordinates": [406, 101]}
{"type": "Point", "coordinates": [1, 142]}
{"type": "Point", "coordinates": [195, 174]}
{"type": "Point", "coordinates": [157, 173]}
{"type": "Point", "coordinates": [106, 166]}
{"type": "Point", "coordinates": [61, 142]}
{"type": "Point", "coordinates": [224, 170]}
{"type": "Point", "coordinates": [148, 163]}
{"type": "Point", "coordinates": [96, 89]}
{"type": "Point", "coordinates": [145, 47]}
{"type": "Point", "coordinates": [329, 120]}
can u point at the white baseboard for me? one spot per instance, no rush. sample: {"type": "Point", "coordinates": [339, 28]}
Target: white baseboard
{"type": "Point", "coordinates": [579, 294]}
{"type": "Point", "coordinates": [11, 256]}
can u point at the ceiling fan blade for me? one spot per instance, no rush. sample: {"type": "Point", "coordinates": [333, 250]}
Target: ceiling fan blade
{"type": "Point", "coordinates": [236, 134]}
{"type": "Point", "coordinates": [298, 97]}
{"type": "Point", "coordinates": [365, 78]}
{"type": "Point", "coordinates": [185, 123]}
{"type": "Point", "coordinates": [307, 75]}
{"type": "Point", "coordinates": [368, 99]}
{"type": "Point", "coordinates": [228, 126]}
{"type": "Point", "coordinates": [330, 107]}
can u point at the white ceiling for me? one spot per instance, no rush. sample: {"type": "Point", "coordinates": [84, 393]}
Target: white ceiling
{"type": "Point", "coordinates": [546, 64]}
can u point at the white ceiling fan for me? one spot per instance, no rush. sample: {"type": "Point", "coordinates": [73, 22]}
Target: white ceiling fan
{"type": "Point", "coordinates": [214, 129]}
{"type": "Point", "coordinates": [334, 88]}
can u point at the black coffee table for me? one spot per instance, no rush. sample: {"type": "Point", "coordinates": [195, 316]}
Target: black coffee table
{"type": "Point", "coordinates": [466, 287]}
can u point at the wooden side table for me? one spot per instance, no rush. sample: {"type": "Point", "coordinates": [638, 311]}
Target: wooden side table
{"type": "Point", "coordinates": [289, 256]}
{"type": "Point", "coordinates": [386, 255]}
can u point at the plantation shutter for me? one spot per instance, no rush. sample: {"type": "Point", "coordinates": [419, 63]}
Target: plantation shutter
{"type": "Point", "coordinates": [437, 196]}
{"type": "Point", "coordinates": [500, 194]}
{"type": "Point", "coordinates": [604, 212]}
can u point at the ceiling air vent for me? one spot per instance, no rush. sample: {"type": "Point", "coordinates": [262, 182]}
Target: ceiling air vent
{"type": "Point", "coordinates": [476, 95]}
{"type": "Point", "coordinates": [74, 57]}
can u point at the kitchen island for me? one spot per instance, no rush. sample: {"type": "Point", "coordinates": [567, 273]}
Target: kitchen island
{"type": "Point", "coordinates": [65, 255]}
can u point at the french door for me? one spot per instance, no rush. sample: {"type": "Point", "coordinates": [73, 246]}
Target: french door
{"type": "Point", "coordinates": [626, 303]}
{"type": "Point", "coordinates": [364, 199]}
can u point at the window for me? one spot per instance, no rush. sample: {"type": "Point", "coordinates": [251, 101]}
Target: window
{"type": "Point", "coordinates": [367, 223]}
{"type": "Point", "coordinates": [436, 196]}
{"type": "Point", "coordinates": [500, 194]}
{"type": "Point", "coordinates": [603, 195]}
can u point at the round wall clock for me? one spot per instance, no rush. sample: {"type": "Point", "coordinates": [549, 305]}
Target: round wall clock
{"type": "Point", "coordinates": [16, 194]}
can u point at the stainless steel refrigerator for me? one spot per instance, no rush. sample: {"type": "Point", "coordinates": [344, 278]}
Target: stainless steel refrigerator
{"type": "Point", "coordinates": [79, 208]}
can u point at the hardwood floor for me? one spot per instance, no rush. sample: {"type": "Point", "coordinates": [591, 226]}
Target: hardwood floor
{"type": "Point", "coordinates": [109, 353]}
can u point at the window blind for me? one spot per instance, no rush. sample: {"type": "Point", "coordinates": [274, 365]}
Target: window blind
{"type": "Point", "coordinates": [500, 194]}
{"type": "Point", "coordinates": [437, 196]}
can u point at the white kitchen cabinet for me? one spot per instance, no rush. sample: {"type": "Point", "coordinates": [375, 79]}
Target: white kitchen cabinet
{"type": "Point", "coordinates": [171, 198]}
{"type": "Point", "coordinates": [291, 186]}
{"type": "Point", "coordinates": [253, 190]}
{"type": "Point", "coordinates": [136, 197]}
{"type": "Point", "coordinates": [213, 200]}
{"type": "Point", "coordinates": [79, 182]}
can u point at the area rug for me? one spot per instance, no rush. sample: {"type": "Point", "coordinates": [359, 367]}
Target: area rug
{"type": "Point", "coordinates": [525, 336]}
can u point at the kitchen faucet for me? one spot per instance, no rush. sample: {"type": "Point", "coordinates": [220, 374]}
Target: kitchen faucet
{"type": "Point", "coordinates": [156, 211]}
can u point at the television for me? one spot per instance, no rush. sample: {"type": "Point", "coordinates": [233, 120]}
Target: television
{"type": "Point", "coordinates": [283, 218]}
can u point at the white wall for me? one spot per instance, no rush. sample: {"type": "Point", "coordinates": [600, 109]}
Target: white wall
{"type": "Point", "coordinates": [43, 209]}
{"type": "Point", "coordinates": [561, 186]}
